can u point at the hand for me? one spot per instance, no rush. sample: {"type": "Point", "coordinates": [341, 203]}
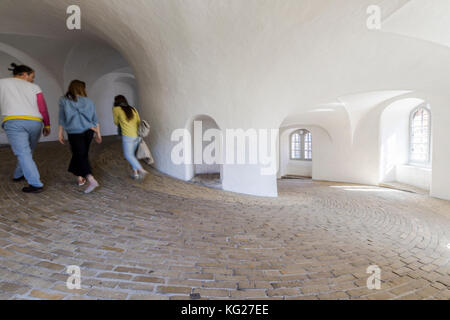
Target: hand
{"type": "Point", "coordinates": [46, 132]}
{"type": "Point", "coordinates": [95, 129]}
{"type": "Point", "coordinates": [98, 138]}
{"type": "Point", "coordinates": [61, 139]}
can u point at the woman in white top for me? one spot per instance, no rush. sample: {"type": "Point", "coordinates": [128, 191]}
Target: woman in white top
{"type": "Point", "coordinates": [25, 116]}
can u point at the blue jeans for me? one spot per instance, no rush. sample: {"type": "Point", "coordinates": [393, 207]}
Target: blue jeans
{"type": "Point", "coordinates": [130, 145]}
{"type": "Point", "coordinates": [23, 136]}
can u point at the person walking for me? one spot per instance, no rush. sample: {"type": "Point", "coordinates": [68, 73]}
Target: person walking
{"type": "Point", "coordinates": [128, 119]}
{"type": "Point", "coordinates": [26, 116]}
{"type": "Point", "coordinates": [78, 117]}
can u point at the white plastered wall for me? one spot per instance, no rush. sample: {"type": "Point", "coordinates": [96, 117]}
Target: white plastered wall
{"type": "Point", "coordinates": [251, 64]}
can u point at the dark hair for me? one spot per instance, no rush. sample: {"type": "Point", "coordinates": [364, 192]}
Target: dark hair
{"type": "Point", "coordinates": [20, 70]}
{"type": "Point", "coordinates": [121, 101]}
{"type": "Point", "coordinates": [76, 88]}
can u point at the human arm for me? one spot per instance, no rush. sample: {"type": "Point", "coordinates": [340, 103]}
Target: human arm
{"type": "Point", "coordinates": [94, 116]}
{"type": "Point", "coordinates": [62, 114]}
{"type": "Point", "coordinates": [62, 121]}
{"type": "Point", "coordinates": [42, 106]}
{"type": "Point", "coordinates": [116, 115]}
{"type": "Point", "coordinates": [96, 127]}
{"type": "Point", "coordinates": [98, 135]}
{"type": "Point", "coordinates": [61, 135]}
{"type": "Point", "coordinates": [138, 117]}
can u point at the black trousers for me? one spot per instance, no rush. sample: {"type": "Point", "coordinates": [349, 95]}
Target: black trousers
{"type": "Point", "coordinates": [80, 143]}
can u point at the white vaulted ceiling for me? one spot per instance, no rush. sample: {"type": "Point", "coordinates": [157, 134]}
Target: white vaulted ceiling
{"type": "Point", "coordinates": [252, 63]}
{"type": "Point", "coordinates": [425, 20]}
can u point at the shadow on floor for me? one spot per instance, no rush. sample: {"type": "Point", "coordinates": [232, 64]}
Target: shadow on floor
{"type": "Point", "coordinates": [293, 177]}
{"type": "Point", "coordinates": [404, 187]}
{"type": "Point", "coordinates": [208, 180]}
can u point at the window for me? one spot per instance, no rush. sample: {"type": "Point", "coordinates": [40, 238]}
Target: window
{"type": "Point", "coordinates": [420, 136]}
{"type": "Point", "coordinates": [301, 145]}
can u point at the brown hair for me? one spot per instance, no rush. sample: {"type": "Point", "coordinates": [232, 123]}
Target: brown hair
{"type": "Point", "coordinates": [121, 101]}
{"type": "Point", "coordinates": [76, 88]}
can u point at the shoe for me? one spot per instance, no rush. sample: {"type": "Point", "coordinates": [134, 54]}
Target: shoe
{"type": "Point", "coordinates": [81, 182]}
{"type": "Point", "coordinates": [135, 176]}
{"type": "Point", "coordinates": [142, 175]}
{"type": "Point", "coordinates": [91, 187]}
{"type": "Point", "coordinates": [19, 179]}
{"type": "Point", "coordinates": [31, 189]}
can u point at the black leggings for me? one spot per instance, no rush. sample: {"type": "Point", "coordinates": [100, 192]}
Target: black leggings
{"type": "Point", "coordinates": [80, 143]}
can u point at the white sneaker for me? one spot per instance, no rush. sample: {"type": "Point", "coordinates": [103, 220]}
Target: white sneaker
{"type": "Point", "coordinates": [142, 175]}
{"type": "Point", "coordinates": [135, 176]}
{"type": "Point", "coordinates": [91, 187]}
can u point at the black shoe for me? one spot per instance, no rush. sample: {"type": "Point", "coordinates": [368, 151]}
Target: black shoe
{"type": "Point", "coordinates": [19, 179]}
{"type": "Point", "coordinates": [31, 189]}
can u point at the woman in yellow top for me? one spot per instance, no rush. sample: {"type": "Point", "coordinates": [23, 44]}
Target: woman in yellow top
{"type": "Point", "coordinates": [128, 119]}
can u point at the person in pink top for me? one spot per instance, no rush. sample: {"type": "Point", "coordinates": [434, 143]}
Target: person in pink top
{"type": "Point", "coordinates": [25, 113]}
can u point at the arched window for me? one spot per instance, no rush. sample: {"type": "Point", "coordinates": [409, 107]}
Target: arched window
{"type": "Point", "coordinates": [420, 136]}
{"type": "Point", "coordinates": [301, 145]}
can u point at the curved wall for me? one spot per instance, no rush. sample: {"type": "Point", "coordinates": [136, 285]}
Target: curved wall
{"type": "Point", "coordinates": [251, 64]}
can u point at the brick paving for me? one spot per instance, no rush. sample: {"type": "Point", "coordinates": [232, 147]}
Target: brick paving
{"type": "Point", "coordinates": [166, 239]}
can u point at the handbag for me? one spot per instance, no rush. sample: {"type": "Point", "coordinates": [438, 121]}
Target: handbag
{"type": "Point", "coordinates": [143, 153]}
{"type": "Point", "coordinates": [144, 129]}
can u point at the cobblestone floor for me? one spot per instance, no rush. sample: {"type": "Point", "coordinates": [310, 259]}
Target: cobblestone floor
{"type": "Point", "coordinates": [166, 239]}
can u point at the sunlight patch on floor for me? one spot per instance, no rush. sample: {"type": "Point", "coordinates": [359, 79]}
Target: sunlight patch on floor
{"type": "Point", "coordinates": [363, 189]}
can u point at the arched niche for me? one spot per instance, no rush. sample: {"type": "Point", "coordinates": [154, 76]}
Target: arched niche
{"type": "Point", "coordinates": [206, 166]}
{"type": "Point", "coordinates": [319, 168]}
{"type": "Point", "coordinates": [327, 124]}
{"type": "Point", "coordinates": [103, 92]}
{"type": "Point", "coordinates": [289, 166]}
{"type": "Point", "coordinates": [395, 165]}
